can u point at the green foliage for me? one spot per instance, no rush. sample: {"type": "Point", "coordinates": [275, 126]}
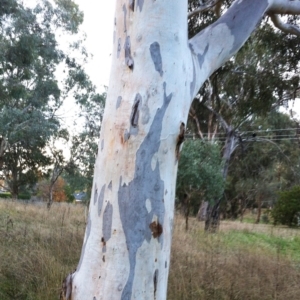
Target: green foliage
{"type": "Point", "coordinates": [6, 195]}
{"type": "Point", "coordinates": [80, 171]}
{"type": "Point", "coordinates": [199, 172]}
{"type": "Point", "coordinates": [69, 193]}
{"type": "Point", "coordinates": [21, 196]}
{"type": "Point", "coordinates": [30, 93]}
{"type": "Point", "coordinates": [287, 208]}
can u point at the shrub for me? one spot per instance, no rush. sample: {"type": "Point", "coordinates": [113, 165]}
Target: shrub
{"type": "Point", "coordinates": [5, 195]}
{"type": "Point", "coordinates": [287, 208]}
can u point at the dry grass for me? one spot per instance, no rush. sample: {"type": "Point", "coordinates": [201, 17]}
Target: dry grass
{"type": "Point", "coordinates": [243, 261]}
{"type": "Point", "coordinates": [38, 248]}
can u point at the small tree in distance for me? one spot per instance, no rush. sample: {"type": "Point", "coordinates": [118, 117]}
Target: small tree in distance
{"type": "Point", "coordinates": [287, 208]}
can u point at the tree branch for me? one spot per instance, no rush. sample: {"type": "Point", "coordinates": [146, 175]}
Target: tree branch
{"type": "Point", "coordinates": [207, 6]}
{"type": "Point", "coordinates": [291, 7]}
{"type": "Point", "coordinates": [285, 27]}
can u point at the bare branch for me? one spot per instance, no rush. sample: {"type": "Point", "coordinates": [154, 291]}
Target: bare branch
{"type": "Point", "coordinates": [290, 7]}
{"type": "Point", "coordinates": [285, 27]}
{"type": "Point", "coordinates": [207, 6]}
{"type": "Point", "coordinates": [193, 115]}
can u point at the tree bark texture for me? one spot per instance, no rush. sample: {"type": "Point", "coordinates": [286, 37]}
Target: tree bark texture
{"type": "Point", "coordinates": [156, 72]}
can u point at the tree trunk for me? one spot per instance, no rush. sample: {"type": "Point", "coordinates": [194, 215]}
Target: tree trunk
{"type": "Point", "coordinates": [156, 72]}
{"type": "Point", "coordinates": [186, 201]}
{"type": "Point", "coordinates": [259, 204]}
{"type": "Point", "coordinates": [213, 213]}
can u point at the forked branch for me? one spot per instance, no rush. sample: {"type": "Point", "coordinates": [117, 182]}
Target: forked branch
{"type": "Point", "coordinates": [285, 27]}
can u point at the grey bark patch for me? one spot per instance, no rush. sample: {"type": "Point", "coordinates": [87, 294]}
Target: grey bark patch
{"type": "Point", "coordinates": [126, 135]}
{"type": "Point", "coordinates": [119, 48]}
{"type": "Point", "coordinates": [156, 57]}
{"type": "Point", "coordinates": [110, 185]}
{"type": "Point", "coordinates": [140, 4]}
{"type": "Point", "coordinates": [201, 57]}
{"type": "Point", "coordinates": [193, 83]}
{"type": "Point", "coordinates": [107, 223]}
{"type": "Point", "coordinates": [166, 264]}
{"type": "Point", "coordinates": [145, 113]}
{"type": "Point", "coordinates": [146, 184]}
{"type": "Point", "coordinates": [241, 26]}
{"type": "Point", "coordinates": [101, 199]}
{"type": "Point", "coordinates": [102, 145]}
{"type": "Point", "coordinates": [87, 233]}
{"type": "Point", "coordinates": [95, 195]}
{"type": "Point", "coordinates": [119, 100]}
{"type": "Point", "coordinates": [125, 16]}
{"type": "Point", "coordinates": [192, 47]}
{"type": "Point", "coordinates": [128, 58]}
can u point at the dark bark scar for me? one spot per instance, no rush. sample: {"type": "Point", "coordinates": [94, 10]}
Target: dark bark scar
{"type": "Point", "coordinates": [156, 229]}
{"type": "Point", "coordinates": [180, 139]}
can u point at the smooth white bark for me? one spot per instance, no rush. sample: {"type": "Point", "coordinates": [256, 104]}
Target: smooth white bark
{"type": "Point", "coordinates": [156, 72]}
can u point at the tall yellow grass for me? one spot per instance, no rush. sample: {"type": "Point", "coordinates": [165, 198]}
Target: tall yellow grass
{"type": "Point", "coordinates": [39, 247]}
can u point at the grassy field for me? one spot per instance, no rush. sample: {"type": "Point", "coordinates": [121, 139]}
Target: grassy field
{"type": "Point", "coordinates": [243, 261]}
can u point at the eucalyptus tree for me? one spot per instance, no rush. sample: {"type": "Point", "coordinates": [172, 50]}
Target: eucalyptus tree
{"type": "Point", "coordinates": [261, 77]}
{"type": "Point", "coordinates": [84, 144]}
{"type": "Point", "coordinates": [268, 163]}
{"type": "Point", "coordinates": [156, 73]}
{"type": "Point", "coordinates": [30, 91]}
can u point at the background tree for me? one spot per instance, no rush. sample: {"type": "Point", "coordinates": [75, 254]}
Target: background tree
{"type": "Point", "coordinates": [287, 207]}
{"type": "Point", "coordinates": [267, 163]}
{"type": "Point", "coordinates": [84, 144]}
{"type": "Point", "coordinates": [261, 77]}
{"type": "Point", "coordinates": [199, 175]}
{"type": "Point", "coordinates": [30, 93]}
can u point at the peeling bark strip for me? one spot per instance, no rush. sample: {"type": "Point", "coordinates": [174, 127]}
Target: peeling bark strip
{"type": "Point", "coordinates": [118, 102]}
{"type": "Point", "coordinates": [155, 279]}
{"type": "Point", "coordinates": [128, 57]}
{"type": "Point", "coordinates": [146, 184]}
{"type": "Point", "coordinates": [134, 119]}
{"type": "Point", "coordinates": [101, 199]}
{"type": "Point", "coordinates": [110, 185]}
{"type": "Point", "coordinates": [107, 224]}
{"type": "Point", "coordinates": [131, 4]}
{"type": "Point", "coordinates": [156, 57]}
{"type": "Point", "coordinates": [140, 4]}
{"type": "Point", "coordinates": [125, 16]}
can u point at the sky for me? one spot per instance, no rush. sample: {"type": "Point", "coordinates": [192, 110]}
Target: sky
{"type": "Point", "coordinates": [98, 25]}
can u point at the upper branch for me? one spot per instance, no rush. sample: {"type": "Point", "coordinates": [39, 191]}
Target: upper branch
{"type": "Point", "coordinates": [285, 27]}
{"type": "Point", "coordinates": [217, 43]}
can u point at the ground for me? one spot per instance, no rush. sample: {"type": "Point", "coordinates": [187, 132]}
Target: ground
{"type": "Point", "coordinates": [243, 261]}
